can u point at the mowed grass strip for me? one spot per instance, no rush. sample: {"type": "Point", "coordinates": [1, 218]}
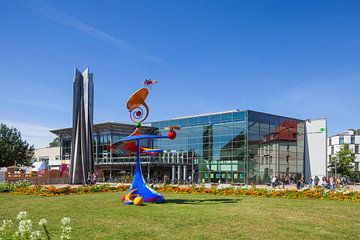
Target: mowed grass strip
{"type": "Point", "coordinates": [186, 216]}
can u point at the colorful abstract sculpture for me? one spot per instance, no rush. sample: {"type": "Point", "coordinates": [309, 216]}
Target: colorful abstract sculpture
{"type": "Point", "coordinates": [139, 192]}
{"type": "Point", "coordinates": [138, 201]}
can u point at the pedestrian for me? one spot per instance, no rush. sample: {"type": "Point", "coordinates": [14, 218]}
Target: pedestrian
{"type": "Point", "coordinates": [302, 182]}
{"type": "Point", "coordinates": [325, 182]}
{"type": "Point", "coordinates": [332, 183]}
{"type": "Point", "coordinates": [89, 178]}
{"type": "Point", "coordinates": [298, 184]}
{"type": "Point", "coordinates": [338, 181]}
{"type": "Point", "coordinates": [283, 180]}
{"type": "Point", "coordinates": [316, 181]}
{"type": "Point", "coordinates": [93, 179]}
{"type": "Point", "coordinates": [344, 181]}
{"type": "Point", "coordinates": [273, 181]}
{"type": "Point", "coordinates": [310, 182]}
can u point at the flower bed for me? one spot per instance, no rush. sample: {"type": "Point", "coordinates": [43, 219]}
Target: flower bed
{"type": "Point", "coordinates": [317, 193]}
{"type": "Point", "coordinates": [50, 191]}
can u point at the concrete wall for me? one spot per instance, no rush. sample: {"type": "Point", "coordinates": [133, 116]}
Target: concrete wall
{"type": "Point", "coordinates": [51, 153]}
{"type": "Point", "coordinates": [315, 148]}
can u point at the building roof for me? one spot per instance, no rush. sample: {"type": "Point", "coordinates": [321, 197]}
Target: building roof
{"type": "Point", "coordinates": [286, 131]}
{"type": "Point", "coordinates": [101, 127]}
{"type": "Point", "coordinates": [207, 114]}
{"type": "Point", "coordinates": [224, 112]}
{"type": "Point", "coordinates": [348, 132]}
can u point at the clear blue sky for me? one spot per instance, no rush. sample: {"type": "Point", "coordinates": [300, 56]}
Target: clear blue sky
{"type": "Point", "coordinates": [293, 58]}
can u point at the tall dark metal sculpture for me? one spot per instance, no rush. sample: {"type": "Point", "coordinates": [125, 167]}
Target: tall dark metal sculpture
{"type": "Point", "coordinates": [82, 157]}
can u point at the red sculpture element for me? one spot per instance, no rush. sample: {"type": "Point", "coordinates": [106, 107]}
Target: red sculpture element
{"type": "Point", "coordinates": [172, 134]}
{"type": "Point", "coordinates": [149, 82]}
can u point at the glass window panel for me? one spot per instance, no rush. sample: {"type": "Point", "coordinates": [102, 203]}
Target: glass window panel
{"type": "Point", "coordinates": [183, 122]}
{"type": "Point", "coordinates": [215, 118]}
{"type": "Point", "coordinates": [204, 120]}
{"type": "Point", "coordinates": [193, 121]}
{"type": "Point", "coordinates": [239, 116]}
{"type": "Point", "coordinates": [226, 117]}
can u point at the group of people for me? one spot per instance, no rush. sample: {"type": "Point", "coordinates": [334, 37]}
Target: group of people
{"type": "Point", "coordinates": [91, 179]}
{"type": "Point", "coordinates": [327, 183]}
{"type": "Point", "coordinates": [284, 180]}
{"type": "Point", "coordinates": [334, 183]}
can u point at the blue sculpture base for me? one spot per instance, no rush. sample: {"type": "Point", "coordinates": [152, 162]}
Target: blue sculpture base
{"type": "Point", "coordinates": [139, 187]}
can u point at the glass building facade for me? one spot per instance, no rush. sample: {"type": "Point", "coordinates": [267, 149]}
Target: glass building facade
{"type": "Point", "coordinates": [237, 146]}
{"type": "Point", "coordinates": [229, 147]}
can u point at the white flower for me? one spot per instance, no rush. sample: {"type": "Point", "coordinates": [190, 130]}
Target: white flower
{"type": "Point", "coordinates": [65, 228]}
{"type": "Point", "coordinates": [65, 221]}
{"type": "Point", "coordinates": [7, 223]}
{"type": "Point", "coordinates": [65, 232]}
{"type": "Point", "coordinates": [36, 235]}
{"type": "Point", "coordinates": [22, 215]}
{"type": "Point", "coordinates": [42, 222]}
{"type": "Point", "coordinates": [25, 226]}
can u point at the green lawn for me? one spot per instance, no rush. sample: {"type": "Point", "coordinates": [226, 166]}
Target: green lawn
{"type": "Point", "coordinates": [185, 216]}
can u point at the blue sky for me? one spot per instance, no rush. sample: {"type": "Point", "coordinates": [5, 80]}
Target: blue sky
{"type": "Point", "coordinates": [294, 58]}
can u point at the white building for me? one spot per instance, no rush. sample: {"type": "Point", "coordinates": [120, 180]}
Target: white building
{"type": "Point", "coordinates": [48, 154]}
{"type": "Point", "coordinates": [335, 143]}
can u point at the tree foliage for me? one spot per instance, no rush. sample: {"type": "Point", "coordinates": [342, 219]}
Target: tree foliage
{"type": "Point", "coordinates": [343, 161]}
{"type": "Point", "coordinates": [55, 142]}
{"type": "Point", "coordinates": [13, 149]}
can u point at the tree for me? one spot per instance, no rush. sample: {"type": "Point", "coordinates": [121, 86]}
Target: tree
{"type": "Point", "coordinates": [357, 132]}
{"type": "Point", "coordinates": [13, 149]}
{"type": "Point", "coordinates": [343, 162]}
{"type": "Point", "coordinates": [55, 142]}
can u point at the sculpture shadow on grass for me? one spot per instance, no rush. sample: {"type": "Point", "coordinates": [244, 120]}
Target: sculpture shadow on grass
{"type": "Point", "coordinates": [204, 201]}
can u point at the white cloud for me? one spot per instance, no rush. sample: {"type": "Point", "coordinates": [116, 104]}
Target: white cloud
{"type": "Point", "coordinates": [36, 135]}
{"type": "Point", "coordinates": [64, 19]}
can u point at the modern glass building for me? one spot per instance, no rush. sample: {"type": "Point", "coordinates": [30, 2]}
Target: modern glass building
{"type": "Point", "coordinates": [236, 146]}
{"type": "Point", "coordinates": [227, 147]}
{"type": "Point", "coordinates": [109, 164]}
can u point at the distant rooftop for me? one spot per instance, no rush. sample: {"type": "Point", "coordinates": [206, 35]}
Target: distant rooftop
{"type": "Point", "coordinates": [348, 132]}
{"type": "Point", "coordinates": [99, 127]}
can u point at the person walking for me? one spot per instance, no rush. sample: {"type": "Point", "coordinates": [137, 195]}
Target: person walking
{"type": "Point", "coordinates": [310, 182]}
{"type": "Point", "coordinates": [283, 181]}
{"type": "Point", "coordinates": [302, 182]}
{"type": "Point", "coordinates": [316, 181]}
{"type": "Point", "coordinates": [338, 182]}
{"type": "Point", "coordinates": [273, 181]}
{"type": "Point", "coordinates": [298, 183]}
{"type": "Point", "coordinates": [93, 178]}
{"type": "Point", "coordinates": [332, 183]}
{"type": "Point", "coordinates": [88, 180]}
{"type": "Point", "coordinates": [325, 182]}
